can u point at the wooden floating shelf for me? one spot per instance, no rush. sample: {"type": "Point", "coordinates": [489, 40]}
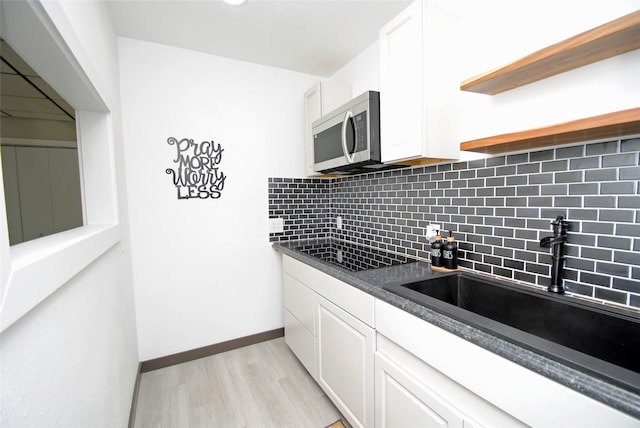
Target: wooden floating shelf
{"type": "Point", "coordinates": [608, 40]}
{"type": "Point", "coordinates": [610, 125]}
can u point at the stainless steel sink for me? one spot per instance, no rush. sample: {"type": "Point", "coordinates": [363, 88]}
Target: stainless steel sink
{"type": "Point", "coordinates": [601, 340]}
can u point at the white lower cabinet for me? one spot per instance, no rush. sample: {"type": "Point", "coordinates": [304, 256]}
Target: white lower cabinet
{"type": "Point", "coordinates": [486, 389]}
{"type": "Point", "coordinates": [410, 393]}
{"type": "Point", "coordinates": [402, 401]}
{"type": "Point", "coordinates": [345, 362]}
{"type": "Point", "coordinates": [384, 367]}
{"type": "Point", "coordinates": [301, 341]}
{"type": "Point", "coordinates": [299, 310]}
{"type": "Point", "coordinates": [329, 326]}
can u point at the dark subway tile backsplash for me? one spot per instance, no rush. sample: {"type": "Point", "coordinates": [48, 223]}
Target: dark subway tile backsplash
{"type": "Point", "coordinates": [498, 209]}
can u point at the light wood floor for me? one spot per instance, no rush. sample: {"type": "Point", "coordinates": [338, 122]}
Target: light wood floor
{"type": "Point", "coordinates": [262, 385]}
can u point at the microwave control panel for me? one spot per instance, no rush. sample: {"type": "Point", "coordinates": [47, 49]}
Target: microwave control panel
{"type": "Point", "coordinates": [360, 131]}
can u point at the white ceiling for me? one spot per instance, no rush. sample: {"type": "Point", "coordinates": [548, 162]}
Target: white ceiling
{"type": "Point", "coordinates": [315, 37]}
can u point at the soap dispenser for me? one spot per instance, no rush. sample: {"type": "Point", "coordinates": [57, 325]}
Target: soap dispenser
{"type": "Point", "coordinates": [450, 253]}
{"type": "Point", "coordinates": [436, 250]}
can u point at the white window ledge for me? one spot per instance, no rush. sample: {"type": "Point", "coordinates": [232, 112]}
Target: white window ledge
{"type": "Point", "coordinates": [41, 266]}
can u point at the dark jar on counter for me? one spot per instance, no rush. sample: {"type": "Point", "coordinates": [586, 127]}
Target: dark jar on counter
{"type": "Point", "coordinates": [436, 251]}
{"type": "Point", "coordinates": [450, 253]}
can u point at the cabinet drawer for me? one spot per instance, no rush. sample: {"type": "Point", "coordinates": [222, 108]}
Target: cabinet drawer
{"type": "Point", "coordinates": [301, 342]}
{"type": "Point", "coordinates": [298, 270]}
{"type": "Point", "coordinates": [299, 301]}
{"type": "Point", "coordinates": [407, 385]}
{"type": "Point", "coordinates": [355, 302]}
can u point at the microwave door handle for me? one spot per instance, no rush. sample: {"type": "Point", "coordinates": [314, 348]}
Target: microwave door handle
{"type": "Point", "coordinates": [347, 155]}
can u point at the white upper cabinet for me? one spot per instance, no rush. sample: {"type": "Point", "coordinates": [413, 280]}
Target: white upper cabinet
{"type": "Point", "coordinates": [319, 100]}
{"type": "Point", "coordinates": [419, 85]}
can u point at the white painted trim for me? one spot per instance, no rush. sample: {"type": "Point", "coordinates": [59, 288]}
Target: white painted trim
{"type": "Point", "coordinates": [97, 164]}
{"type": "Point", "coordinates": [29, 30]}
{"type": "Point", "coordinates": [41, 266]}
{"type": "Point", "coordinates": [32, 271]}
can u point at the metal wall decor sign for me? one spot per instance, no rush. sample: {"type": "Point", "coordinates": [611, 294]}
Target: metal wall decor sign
{"type": "Point", "coordinates": [196, 171]}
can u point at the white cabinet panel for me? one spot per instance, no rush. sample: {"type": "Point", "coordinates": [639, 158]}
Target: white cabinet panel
{"type": "Point", "coordinates": [299, 313]}
{"type": "Point", "coordinates": [345, 362]}
{"type": "Point", "coordinates": [405, 384]}
{"type": "Point", "coordinates": [299, 301]}
{"type": "Point", "coordinates": [301, 342]}
{"type": "Point", "coordinates": [298, 270]}
{"type": "Point", "coordinates": [419, 85]}
{"type": "Point", "coordinates": [402, 401]}
{"type": "Point", "coordinates": [354, 301]}
{"type": "Point", "coordinates": [401, 75]}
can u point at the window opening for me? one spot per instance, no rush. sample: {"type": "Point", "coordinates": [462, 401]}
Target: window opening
{"type": "Point", "coordinates": [39, 153]}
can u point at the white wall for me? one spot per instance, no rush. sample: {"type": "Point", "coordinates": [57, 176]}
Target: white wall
{"type": "Point", "coordinates": [204, 270]}
{"type": "Point", "coordinates": [71, 361]}
{"type": "Point", "coordinates": [68, 355]}
{"type": "Point", "coordinates": [362, 73]}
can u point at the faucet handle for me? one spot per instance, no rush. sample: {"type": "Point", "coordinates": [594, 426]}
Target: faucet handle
{"type": "Point", "coordinates": [560, 226]}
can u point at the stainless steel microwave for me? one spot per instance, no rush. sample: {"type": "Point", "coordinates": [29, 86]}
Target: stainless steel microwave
{"type": "Point", "coordinates": [347, 140]}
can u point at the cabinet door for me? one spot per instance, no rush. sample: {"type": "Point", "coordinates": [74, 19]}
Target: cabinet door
{"type": "Point", "coordinates": [345, 362]}
{"type": "Point", "coordinates": [402, 401]}
{"type": "Point", "coordinates": [401, 88]}
{"type": "Point", "coordinates": [419, 85]}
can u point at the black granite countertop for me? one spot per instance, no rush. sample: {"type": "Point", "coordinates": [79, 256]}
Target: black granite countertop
{"type": "Point", "coordinates": [372, 282]}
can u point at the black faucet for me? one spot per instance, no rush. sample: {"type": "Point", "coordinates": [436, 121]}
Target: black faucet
{"type": "Point", "coordinates": [556, 243]}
